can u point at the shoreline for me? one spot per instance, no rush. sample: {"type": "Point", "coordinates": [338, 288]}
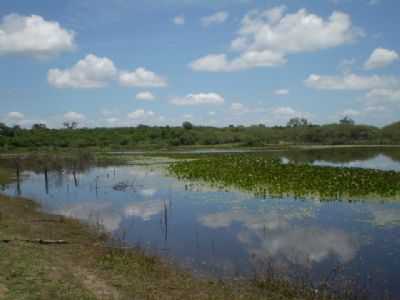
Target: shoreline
{"type": "Point", "coordinates": [84, 266]}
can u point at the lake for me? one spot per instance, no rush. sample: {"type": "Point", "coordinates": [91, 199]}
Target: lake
{"type": "Point", "coordinates": [226, 232]}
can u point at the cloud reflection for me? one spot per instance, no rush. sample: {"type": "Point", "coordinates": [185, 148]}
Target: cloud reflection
{"type": "Point", "coordinates": [94, 212]}
{"type": "Point", "coordinates": [274, 236]}
{"type": "Point", "coordinates": [145, 210]}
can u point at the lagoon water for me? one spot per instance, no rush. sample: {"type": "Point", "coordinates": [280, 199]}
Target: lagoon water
{"type": "Point", "coordinates": [230, 233]}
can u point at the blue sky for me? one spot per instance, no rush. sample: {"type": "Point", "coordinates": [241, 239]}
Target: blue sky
{"type": "Point", "coordinates": [123, 63]}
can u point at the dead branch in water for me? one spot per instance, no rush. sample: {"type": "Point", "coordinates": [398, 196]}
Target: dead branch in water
{"type": "Point", "coordinates": [36, 241]}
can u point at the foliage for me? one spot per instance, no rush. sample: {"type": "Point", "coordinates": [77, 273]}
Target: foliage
{"type": "Point", "coordinates": [187, 125]}
{"type": "Point", "coordinates": [347, 121]}
{"type": "Point", "coordinates": [297, 122]}
{"type": "Point", "coordinates": [145, 136]}
{"type": "Point", "coordinates": [269, 177]}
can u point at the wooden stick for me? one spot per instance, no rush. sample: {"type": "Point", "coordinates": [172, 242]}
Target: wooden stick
{"type": "Point", "coordinates": [36, 241]}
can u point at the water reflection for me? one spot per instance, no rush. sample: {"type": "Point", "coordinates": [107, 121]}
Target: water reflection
{"type": "Point", "coordinates": [385, 216]}
{"type": "Point", "coordinates": [101, 213]}
{"type": "Point", "coordinates": [274, 237]}
{"type": "Point", "coordinates": [145, 210]}
{"type": "Point", "coordinates": [226, 232]}
{"type": "Point", "coordinates": [380, 161]}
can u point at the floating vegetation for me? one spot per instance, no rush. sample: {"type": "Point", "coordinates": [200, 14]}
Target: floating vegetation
{"type": "Point", "coordinates": [270, 177]}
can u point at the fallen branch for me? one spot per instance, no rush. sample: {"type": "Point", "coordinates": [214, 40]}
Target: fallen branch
{"type": "Point", "coordinates": [36, 241]}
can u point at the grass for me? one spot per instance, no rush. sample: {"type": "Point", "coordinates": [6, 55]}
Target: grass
{"type": "Point", "coordinates": [264, 177]}
{"type": "Point", "coordinates": [86, 268]}
{"type": "Point", "coordinates": [5, 176]}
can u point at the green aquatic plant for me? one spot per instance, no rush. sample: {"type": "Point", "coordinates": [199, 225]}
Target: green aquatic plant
{"type": "Point", "coordinates": [264, 177]}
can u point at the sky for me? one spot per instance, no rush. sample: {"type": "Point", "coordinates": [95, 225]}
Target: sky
{"type": "Point", "coordinates": [105, 63]}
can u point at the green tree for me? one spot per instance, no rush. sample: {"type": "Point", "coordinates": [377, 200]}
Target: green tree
{"type": "Point", "coordinates": [187, 125]}
{"type": "Point", "coordinates": [39, 126]}
{"type": "Point", "coordinates": [70, 125]}
{"type": "Point", "coordinates": [347, 121]}
{"type": "Point", "coordinates": [297, 122]}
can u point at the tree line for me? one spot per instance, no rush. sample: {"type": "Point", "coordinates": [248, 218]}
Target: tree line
{"type": "Point", "coordinates": [297, 131]}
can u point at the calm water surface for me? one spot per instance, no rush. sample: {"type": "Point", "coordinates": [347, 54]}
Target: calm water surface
{"type": "Point", "coordinates": [230, 233]}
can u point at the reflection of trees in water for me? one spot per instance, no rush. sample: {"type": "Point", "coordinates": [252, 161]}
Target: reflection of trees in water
{"type": "Point", "coordinates": [45, 162]}
{"type": "Point", "coordinates": [341, 155]}
{"type": "Point", "coordinates": [53, 166]}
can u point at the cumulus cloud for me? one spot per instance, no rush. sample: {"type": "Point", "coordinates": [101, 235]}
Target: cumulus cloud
{"type": "Point", "coordinates": [217, 18]}
{"type": "Point", "coordinates": [179, 20]}
{"type": "Point", "coordinates": [33, 35]}
{"type": "Point", "coordinates": [351, 82]}
{"type": "Point", "coordinates": [265, 38]}
{"type": "Point", "coordinates": [74, 116]}
{"type": "Point", "coordinates": [281, 92]}
{"type": "Point", "coordinates": [379, 90]}
{"type": "Point", "coordinates": [380, 58]}
{"type": "Point", "coordinates": [247, 60]}
{"type": "Point", "coordinates": [15, 116]}
{"type": "Point", "coordinates": [146, 96]}
{"type": "Point", "coordinates": [141, 77]}
{"type": "Point", "coordinates": [141, 114]}
{"type": "Point", "coordinates": [90, 72]}
{"type": "Point", "coordinates": [199, 99]}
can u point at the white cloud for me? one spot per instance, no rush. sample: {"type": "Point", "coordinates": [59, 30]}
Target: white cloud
{"type": "Point", "coordinates": [15, 116]}
{"type": "Point", "coordinates": [141, 114]}
{"type": "Point", "coordinates": [179, 20]}
{"type": "Point", "coordinates": [90, 72]}
{"type": "Point", "coordinates": [380, 58]}
{"type": "Point", "coordinates": [351, 82]}
{"type": "Point", "coordinates": [282, 92]}
{"type": "Point", "coordinates": [291, 33]}
{"type": "Point", "coordinates": [247, 60]}
{"type": "Point", "coordinates": [285, 111]}
{"type": "Point", "coordinates": [217, 18]}
{"type": "Point", "coordinates": [281, 114]}
{"type": "Point", "coordinates": [237, 107]}
{"type": "Point", "coordinates": [141, 77]}
{"type": "Point", "coordinates": [267, 37]}
{"type": "Point", "coordinates": [32, 35]}
{"type": "Point", "coordinates": [74, 116]}
{"type": "Point", "coordinates": [350, 113]}
{"type": "Point", "coordinates": [112, 120]}
{"type": "Point", "coordinates": [147, 96]}
{"type": "Point", "coordinates": [386, 93]}
{"type": "Point", "coordinates": [374, 109]}
{"type": "Point", "coordinates": [199, 99]}
{"type": "Point", "coordinates": [388, 96]}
